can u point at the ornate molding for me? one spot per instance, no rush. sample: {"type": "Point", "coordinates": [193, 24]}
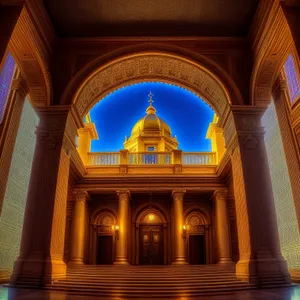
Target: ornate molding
{"type": "Point", "coordinates": [152, 67]}
{"type": "Point", "coordinates": [19, 85]}
{"type": "Point", "coordinates": [82, 196]}
{"type": "Point", "coordinates": [220, 195]}
{"type": "Point", "coordinates": [178, 195]}
{"type": "Point", "coordinates": [124, 195]}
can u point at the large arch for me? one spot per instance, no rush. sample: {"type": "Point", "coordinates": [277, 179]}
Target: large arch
{"type": "Point", "coordinates": [152, 62]}
{"type": "Point", "coordinates": [32, 58]}
{"type": "Point", "coordinates": [270, 53]}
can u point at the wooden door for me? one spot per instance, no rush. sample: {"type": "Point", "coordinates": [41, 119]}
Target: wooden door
{"type": "Point", "coordinates": [196, 249]}
{"type": "Point", "coordinates": [104, 253]}
{"type": "Point", "coordinates": [151, 250]}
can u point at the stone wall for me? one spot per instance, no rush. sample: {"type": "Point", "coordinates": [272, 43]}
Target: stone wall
{"type": "Point", "coordinates": [284, 202]}
{"type": "Point", "coordinates": [11, 219]}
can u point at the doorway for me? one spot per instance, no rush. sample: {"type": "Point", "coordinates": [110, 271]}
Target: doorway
{"type": "Point", "coordinates": [151, 246]}
{"type": "Point", "coordinates": [105, 250]}
{"type": "Point", "coordinates": [197, 250]}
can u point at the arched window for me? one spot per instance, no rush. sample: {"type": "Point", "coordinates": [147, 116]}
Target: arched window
{"type": "Point", "coordinates": [6, 76]}
{"type": "Point", "coordinates": [292, 78]}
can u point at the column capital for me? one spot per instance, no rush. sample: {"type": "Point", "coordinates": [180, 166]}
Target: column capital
{"type": "Point", "coordinates": [124, 195]}
{"type": "Point", "coordinates": [19, 85]}
{"type": "Point", "coordinates": [82, 195]}
{"type": "Point", "coordinates": [280, 86]}
{"type": "Point", "coordinates": [220, 194]}
{"type": "Point", "coordinates": [178, 195]}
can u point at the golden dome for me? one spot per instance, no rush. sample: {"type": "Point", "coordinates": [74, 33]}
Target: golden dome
{"type": "Point", "coordinates": [150, 123]}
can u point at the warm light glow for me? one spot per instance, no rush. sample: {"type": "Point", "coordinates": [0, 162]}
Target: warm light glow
{"type": "Point", "coordinates": [117, 227]}
{"type": "Point", "coordinates": [184, 227]}
{"type": "Point", "coordinates": [151, 217]}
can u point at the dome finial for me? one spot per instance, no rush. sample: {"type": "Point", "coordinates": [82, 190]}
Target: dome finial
{"type": "Point", "coordinates": [150, 110]}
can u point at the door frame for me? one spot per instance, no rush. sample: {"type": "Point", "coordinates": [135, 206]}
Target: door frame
{"type": "Point", "coordinates": [163, 221]}
{"type": "Point", "coordinates": [205, 247]}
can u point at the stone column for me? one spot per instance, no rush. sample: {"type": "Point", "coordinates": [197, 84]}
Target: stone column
{"type": "Point", "coordinates": [180, 257]}
{"type": "Point", "coordinates": [260, 257]}
{"type": "Point", "coordinates": [223, 237]}
{"type": "Point", "coordinates": [78, 228]}
{"type": "Point", "coordinates": [19, 92]}
{"type": "Point", "coordinates": [122, 242]}
{"type": "Point", "coordinates": [9, 15]}
{"type": "Point", "coordinates": [42, 245]}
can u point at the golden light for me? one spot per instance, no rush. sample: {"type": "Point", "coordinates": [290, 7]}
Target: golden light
{"type": "Point", "coordinates": [117, 227]}
{"type": "Point", "coordinates": [184, 227]}
{"type": "Point", "coordinates": [151, 217]}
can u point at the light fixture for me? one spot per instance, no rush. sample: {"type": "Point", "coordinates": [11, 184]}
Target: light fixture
{"type": "Point", "coordinates": [184, 231]}
{"type": "Point", "coordinates": [151, 217]}
{"type": "Point", "coordinates": [117, 231]}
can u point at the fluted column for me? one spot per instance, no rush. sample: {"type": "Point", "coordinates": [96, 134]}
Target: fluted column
{"type": "Point", "coordinates": [19, 92]}
{"type": "Point", "coordinates": [220, 199]}
{"type": "Point", "coordinates": [260, 255]}
{"type": "Point", "coordinates": [42, 244]}
{"type": "Point", "coordinates": [180, 257]}
{"type": "Point", "coordinates": [78, 228]}
{"type": "Point", "coordinates": [122, 242]}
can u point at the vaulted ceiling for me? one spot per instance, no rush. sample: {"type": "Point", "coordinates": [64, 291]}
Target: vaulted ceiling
{"type": "Point", "coordinates": [88, 18]}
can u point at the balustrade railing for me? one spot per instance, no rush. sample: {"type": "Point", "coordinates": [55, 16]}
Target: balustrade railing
{"type": "Point", "coordinates": [151, 158]}
{"type": "Point", "coordinates": [104, 158]}
{"type": "Point", "coordinates": [198, 158]}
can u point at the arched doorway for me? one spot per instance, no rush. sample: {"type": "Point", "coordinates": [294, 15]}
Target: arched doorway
{"type": "Point", "coordinates": [151, 237]}
{"type": "Point", "coordinates": [102, 238]}
{"type": "Point", "coordinates": [198, 238]}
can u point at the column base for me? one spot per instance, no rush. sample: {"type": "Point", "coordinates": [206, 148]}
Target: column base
{"type": "Point", "coordinates": [227, 261]}
{"type": "Point", "coordinates": [75, 262]}
{"type": "Point", "coordinates": [263, 272]}
{"type": "Point", "coordinates": [180, 261]}
{"type": "Point", "coordinates": [37, 272]}
{"type": "Point", "coordinates": [295, 275]}
{"type": "Point", "coordinates": [121, 261]}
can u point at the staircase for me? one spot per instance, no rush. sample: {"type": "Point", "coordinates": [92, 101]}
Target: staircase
{"type": "Point", "coordinates": [150, 281]}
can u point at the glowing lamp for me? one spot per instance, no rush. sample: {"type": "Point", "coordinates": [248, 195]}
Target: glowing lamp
{"type": "Point", "coordinates": [184, 231]}
{"type": "Point", "coordinates": [117, 231]}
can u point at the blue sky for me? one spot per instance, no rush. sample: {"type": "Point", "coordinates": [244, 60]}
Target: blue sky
{"type": "Point", "coordinates": [187, 115]}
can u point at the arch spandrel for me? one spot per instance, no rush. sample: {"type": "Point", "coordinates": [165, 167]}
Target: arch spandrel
{"type": "Point", "coordinates": [152, 67]}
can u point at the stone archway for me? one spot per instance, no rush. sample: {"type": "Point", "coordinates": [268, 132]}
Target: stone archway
{"type": "Point", "coordinates": [198, 224]}
{"type": "Point", "coordinates": [152, 62]}
{"type": "Point", "coordinates": [150, 222]}
{"type": "Point", "coordinates": [101, 227]}
{"type": "Point", "coordinates": [270, 53]}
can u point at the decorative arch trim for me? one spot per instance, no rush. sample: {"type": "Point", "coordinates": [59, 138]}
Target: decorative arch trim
{"type": "Point", "coordinates": [199, 212]}
{"type": "Point", "coordinates": [145, 209]}
{"type": "Point", "coordinates": [152, 62]}
{"type": "Point", "coordinates": [99, 214]}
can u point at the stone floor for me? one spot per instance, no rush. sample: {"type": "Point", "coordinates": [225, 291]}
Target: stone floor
{"type": "Point", "coordinates": [292, 293]}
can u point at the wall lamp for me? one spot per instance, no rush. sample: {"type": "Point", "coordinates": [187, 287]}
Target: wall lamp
{"type": "Point", "coordinates": [117, 231]}
{"type": "Point", "coordinates": [184, 231]}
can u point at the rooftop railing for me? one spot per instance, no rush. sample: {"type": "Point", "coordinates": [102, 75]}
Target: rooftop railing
{"type": "Point", "coordinates": [151, 158]}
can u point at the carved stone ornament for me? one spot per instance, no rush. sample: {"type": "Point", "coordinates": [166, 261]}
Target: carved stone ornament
{"type": "Point", "coordinates": [221, 195]}
{"type": "Point", "coordinates": [250, 142]}
{"type": "Point", "coordinates": [178, 195]}
{"type": "Point", "coordinates": [147, 67]}
{"type": "Point", "coordinates": [248, 123]}
{"type": "Point", "coordinates": [47, 140]}
{"type": "Point", "coordinates": [123, 195]}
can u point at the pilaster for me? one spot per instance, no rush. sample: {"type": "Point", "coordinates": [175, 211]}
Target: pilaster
{"type": "Point", "coordinates": [9, 135]}
{"type": "Point", "coordinates": [41, 252]}
{"type": "Point", "coordinates": [223, 236]}
{"type": "Point", "coordinates": [78, 228]}
{"type": "Point", "coordinates": [122, 242]}
{"type": "Point", "coordinates": [180, 257]}
{"type": "Point", "coordinates": [260, 257]}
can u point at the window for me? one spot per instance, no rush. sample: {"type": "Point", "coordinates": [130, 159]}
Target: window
{"type": "Point", "coordinates": [292, 78]}
{"type": "Point", "coordinates": [6, 76]}
{"type": "Point", "coordinates": [151, 148]}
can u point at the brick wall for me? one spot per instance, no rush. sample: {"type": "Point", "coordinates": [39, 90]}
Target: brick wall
{"type": "Point", "coordinates": [11, 219]}
{"type": "Point", "coordinates": [284, 203]}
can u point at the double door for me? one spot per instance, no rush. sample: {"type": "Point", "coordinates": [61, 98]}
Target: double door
{"type": "Point", "coordinates": [151, 250]}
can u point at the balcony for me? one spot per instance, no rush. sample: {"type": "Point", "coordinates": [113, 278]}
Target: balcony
{"type": "Point", "coordinates": [175, 162]}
